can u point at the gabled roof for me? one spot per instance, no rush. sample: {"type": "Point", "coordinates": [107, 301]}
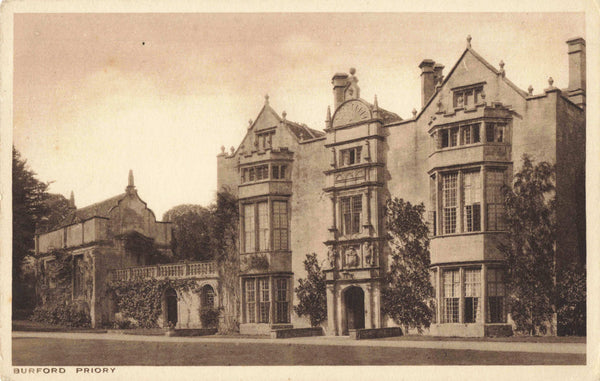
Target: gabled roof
{"type": "Point", "coordinates": [302, 132]}
{"type": "Point", "coordinates": [385, 115]}
{"type": "Point", "coordinates": [99, 209]}
{"type": "Point", "coordinates": [469, 49]}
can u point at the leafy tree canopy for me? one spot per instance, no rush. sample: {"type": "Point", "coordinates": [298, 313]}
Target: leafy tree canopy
{"type": "Point", "coordinates": [311, 292]}
{"type": "Point", "coordinates": [192, 228]}
{"type": "Point", "coordinates": [530, 250]}
{"type": "Point", "coordinates": [406, 287]}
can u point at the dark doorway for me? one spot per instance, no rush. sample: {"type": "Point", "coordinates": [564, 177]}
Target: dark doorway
{"type": "Point", "coordinates": [171, 306]}
{"type": "Point", "coordinates": [354, 300]}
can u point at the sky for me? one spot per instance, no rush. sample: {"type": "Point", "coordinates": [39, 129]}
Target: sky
{"type": "Point", "coordinates": [95, 95]}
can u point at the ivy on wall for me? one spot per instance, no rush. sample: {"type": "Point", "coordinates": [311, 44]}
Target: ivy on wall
{"type": "Point", "coordinates": [141, 299]}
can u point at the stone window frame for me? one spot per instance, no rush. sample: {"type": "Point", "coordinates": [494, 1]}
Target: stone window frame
{"type": "Point", "coordinates": [268, 244]}
{"type": "Point", "coordinates": [355, 217]}
{"type": "Point", "coordinates": [264, 305]}
{"type": "Point", "coordinates": [469, 96]}
{"type": "Point", "coordinates": [352, 155]}
{"type": "Point", "coordinates": [264, 172]}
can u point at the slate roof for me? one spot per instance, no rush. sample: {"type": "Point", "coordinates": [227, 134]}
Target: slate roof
{"type": "Point", "coordinates": [99, 209]}
{"type": "Point", "coordinates": [303, 132]}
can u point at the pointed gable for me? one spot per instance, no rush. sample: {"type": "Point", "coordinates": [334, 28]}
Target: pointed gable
{"type": "Point", "coordinates": [471, 69]}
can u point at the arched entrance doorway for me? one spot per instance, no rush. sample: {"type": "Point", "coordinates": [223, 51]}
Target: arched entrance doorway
{"type": "Point", "coordinates": [170, 307]}
{"type": "Point", "coordinates": [354, 302]}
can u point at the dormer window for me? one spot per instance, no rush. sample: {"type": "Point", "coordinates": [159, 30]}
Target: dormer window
{"type": "Point", "coordinates": [350, 156]}
{"type": "Point", "coordinates": [468, 97]}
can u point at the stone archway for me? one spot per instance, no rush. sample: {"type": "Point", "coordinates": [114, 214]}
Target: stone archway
{"type": "Point", "coordinates": [207, 296]}
{"type": "Point", "coordinates": [170, 307]}
{"type": "Point", "coordinates": [354, 309]}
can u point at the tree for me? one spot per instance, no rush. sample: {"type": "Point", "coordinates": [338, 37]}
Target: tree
{"type": "Point", "coordinates": [311, 292]}
{"type": "Point", "coordinates": [406, 287]}
{"type": "Point", "coordinates": [29, 209]}
{"type": "Point", "coordinates": [225, 235]}
{"type": "Point", "coordinates": [192, 225]}
{"type": "Point", "coordinates": [530, 250]}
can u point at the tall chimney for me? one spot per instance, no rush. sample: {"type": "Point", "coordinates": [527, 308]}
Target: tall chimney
{"type": "Point", "coordinates": [339, 82]}
{"type": "Point", "coordinates": [427, 80]}
{"type": "Point", "coordinates": [438, 75]}
{"type": "Point", "coordinates": [577, 70]}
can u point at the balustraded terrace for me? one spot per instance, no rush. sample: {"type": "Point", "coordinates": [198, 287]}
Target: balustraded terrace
{"type": "Point", "coordinates": [171, 270]}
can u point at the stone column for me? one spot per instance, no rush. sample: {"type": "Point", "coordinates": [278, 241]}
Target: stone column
{"type": "Point", "coordinates": [376, 305]}
{"type": "Point", "coordinates": [440, 296]}
{"type": "Point", "coordinates": [438, 205]}
{"type": "Point", "coordinates": [340, 317]}
{"type": "Point", "coordinates": [331, 310]}
{"type": "Point", "coordinates": [459, 202]}
{"type": "Point", "coordinates": [461, 303]}
{"type": "Point", "coordinates": [483, 200]}
{"type": "Point", "coordinates": [368, 289]}
{"type": "Point", "coordinates": [483, 293]}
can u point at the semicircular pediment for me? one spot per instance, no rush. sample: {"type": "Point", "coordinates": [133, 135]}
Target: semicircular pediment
{"type": "Point", "coordinates": [351, 112]}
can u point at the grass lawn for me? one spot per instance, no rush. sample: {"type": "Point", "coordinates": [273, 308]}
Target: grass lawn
{"type": "Point", "coordinates": [511, 339]}
{"type": "Point", "coordinates": [67, 352]}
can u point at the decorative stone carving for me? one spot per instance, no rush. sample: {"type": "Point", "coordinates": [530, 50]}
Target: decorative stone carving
{"type": "Point", "coordinates": [352, 258]}
{"type": "Point", "coordinates": [354, 111]}
{"type": "Point", "coordinates": [331, 257]}
{"type": "Point", "coordinates": [369, 253]}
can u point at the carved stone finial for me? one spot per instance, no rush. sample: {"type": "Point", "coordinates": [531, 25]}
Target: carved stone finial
{"type": "Point", "coordinates": [550, 81]}
{"type": "Point", "coordinates": [501, 67]}
{"type": "Point", "coordinates": [266, 99]}
{"type": "Point", "coordinates": [375, 104]}
{"type": "Point", "coordinates": [232, 150]}
{"type": "Point", "coordinates": [530, 90]}
{"type": "Point", "coordinates": [130, 179]}
{"type": "Point", "coordinates": [222, 149]}
{"type": "Point", "coordinates": [72, 200]}
{"type": "Point", "coordinates": [414, 112]}
{"type": "Point", "coordinates": [352, 71]}
{"type": "Point", "coordinates": [469, 38]}
{"type": "Point", "coordinates": [284, 114]}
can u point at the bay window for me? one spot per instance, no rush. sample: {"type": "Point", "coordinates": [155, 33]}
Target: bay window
{"type": "Point", "coordinates": [266, 300]}
{"type": "Point", "coordinates": [264, 231]}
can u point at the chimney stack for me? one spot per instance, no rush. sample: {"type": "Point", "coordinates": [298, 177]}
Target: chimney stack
{"type": "Point", "coordinates": [339, 82]}
{"type": "Point", "coordinates": [577, 70]}
{"type": "Point", "coordinates": [427, 80]}
{"type": "Point", "coordinates": [438, 76]}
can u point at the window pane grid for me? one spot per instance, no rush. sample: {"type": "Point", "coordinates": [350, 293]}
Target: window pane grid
{"type": "Point", "coordinates": [495, 203]}
{"type": "Point", "coordinates": [250, 300]}
{"type": "Point", "coordinates": [472, 295]}
{"type": "Point", "coordinates": [249, 238]}
{"type": "Point", "coordinates": [451, 292]}
{"type": "Point", "coordinates": [263, 226]}
{"type": "Point", "coordinates": [449, 202]}
{"type": "Point", "coordinates": [472, 201]}
{"type": "Point", "coordinates": [281, 303]}
{"type": "Point", "coordinates": [280, 225]}
{"type": "Point", "coordinates": [264, 302]}
{"type": "Point", "coordinates": [496, 296]}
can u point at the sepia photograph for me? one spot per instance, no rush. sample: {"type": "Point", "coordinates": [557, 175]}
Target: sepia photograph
{"type": "Point", "coordinates": [338, 189]}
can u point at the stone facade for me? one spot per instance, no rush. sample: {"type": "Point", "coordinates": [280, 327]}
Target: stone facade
{"type": "Point", "coordinates": [117, 239]}
{"type": "Point", "coordinates": [303, 191]}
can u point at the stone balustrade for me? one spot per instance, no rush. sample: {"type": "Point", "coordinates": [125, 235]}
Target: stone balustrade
{"type": "Point", "coordinates": [171, 270]}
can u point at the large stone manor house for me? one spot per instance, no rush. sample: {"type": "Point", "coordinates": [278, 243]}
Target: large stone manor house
{"type": "Point", "coordinates": [304, 190]}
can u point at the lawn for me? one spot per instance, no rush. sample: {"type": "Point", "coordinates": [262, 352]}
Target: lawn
{"type": "Point", "coordinates": [67, 352]}
{"type": "Point", "coordinates": [511, 339]}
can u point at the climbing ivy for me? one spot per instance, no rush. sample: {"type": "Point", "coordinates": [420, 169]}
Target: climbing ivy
{"type": "Point", "coordinates": [141, 299]}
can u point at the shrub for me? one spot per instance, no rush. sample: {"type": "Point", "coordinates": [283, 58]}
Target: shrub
{"type": "Point", "coordinates": [66, 315]}
{"type": "Point", "coordinates": [210, 317]}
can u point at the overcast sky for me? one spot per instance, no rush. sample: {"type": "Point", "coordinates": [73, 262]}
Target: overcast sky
{"type": "Point", "coordinates": [97, 95]}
